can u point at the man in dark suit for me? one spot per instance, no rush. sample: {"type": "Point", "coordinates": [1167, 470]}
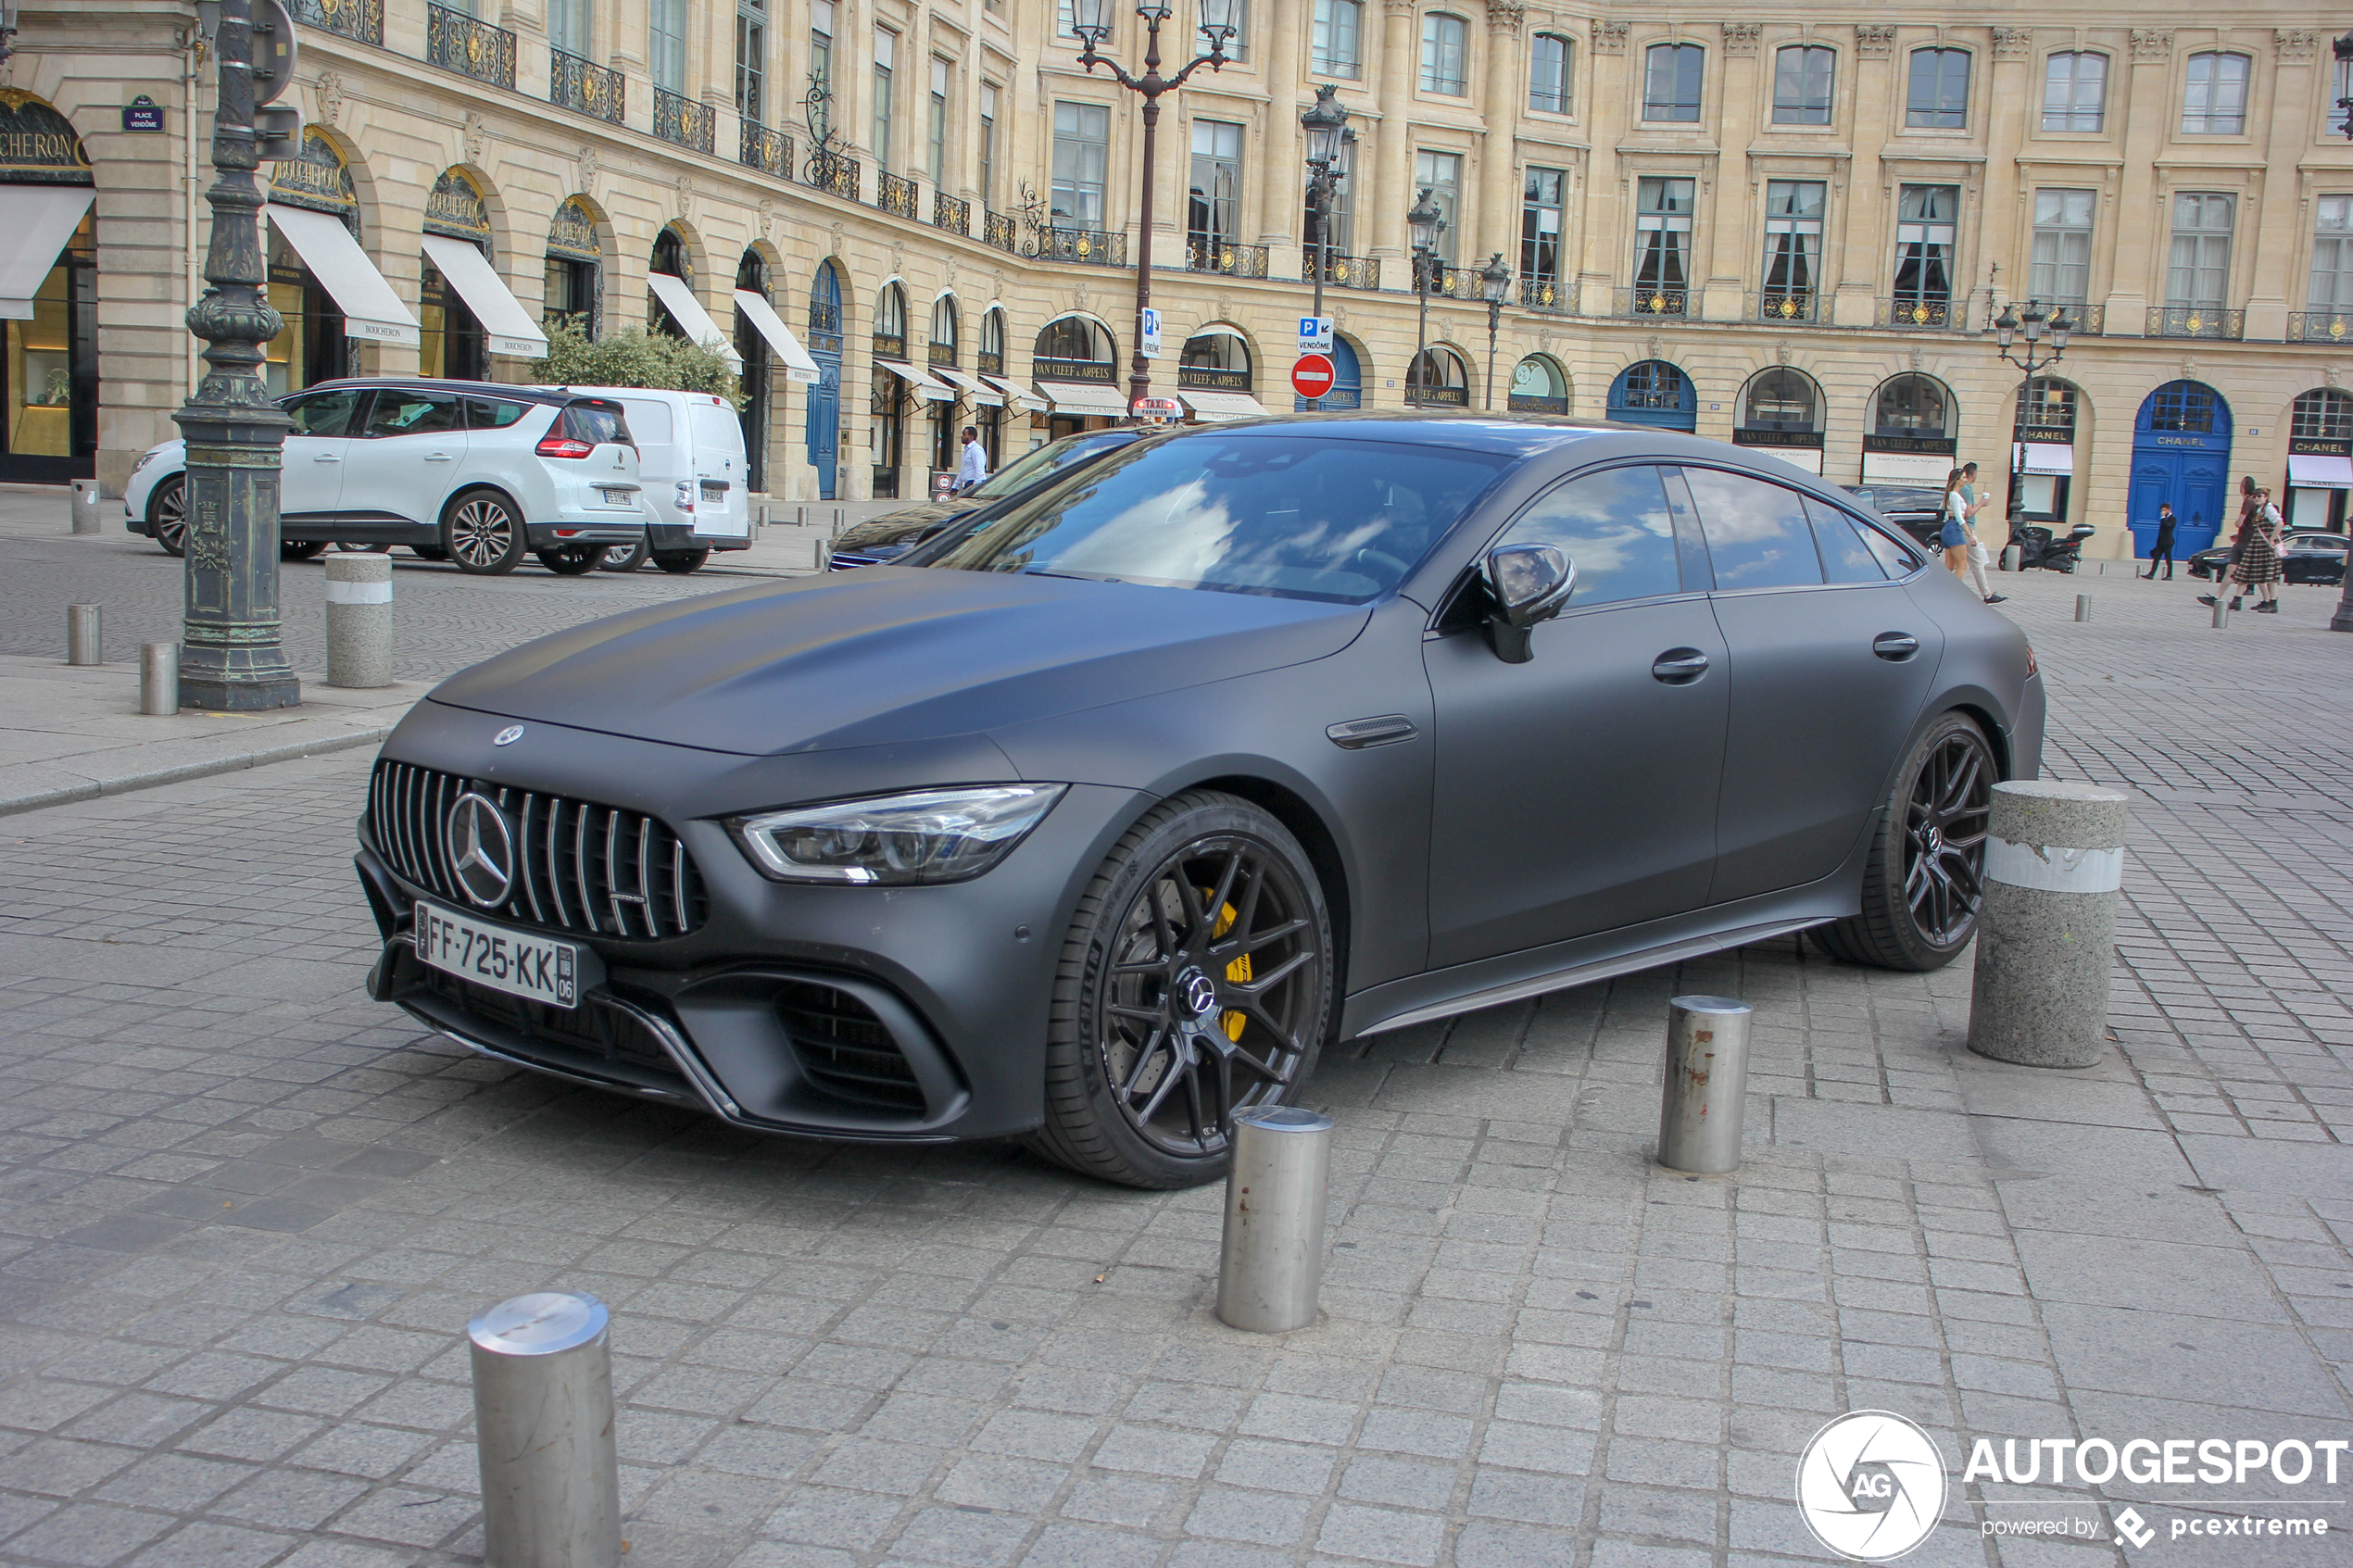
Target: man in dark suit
{"type": "Point", "coordinates": [2161, 547]}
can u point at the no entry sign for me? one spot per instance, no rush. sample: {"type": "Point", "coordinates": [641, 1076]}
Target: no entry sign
{"type": "Point", "coordinates": [1312, 377]}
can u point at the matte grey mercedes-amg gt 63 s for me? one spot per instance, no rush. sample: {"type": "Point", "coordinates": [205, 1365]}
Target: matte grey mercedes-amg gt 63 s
{"type": "Point", "coordinates": [1248, 739]}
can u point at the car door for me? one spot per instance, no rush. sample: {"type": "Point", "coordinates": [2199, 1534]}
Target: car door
{"type": "Point", "coordinates": [1829, 670]}
{"type": "Point", "coordinates": [1575, 793]}
{"type": "Point", "coordinates": [310, 468]}
{"type": "Point", "coordinates": [409, 453]}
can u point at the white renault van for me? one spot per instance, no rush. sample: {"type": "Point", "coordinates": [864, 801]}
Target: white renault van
{"type": "Point", "coordinates": [691, 459]}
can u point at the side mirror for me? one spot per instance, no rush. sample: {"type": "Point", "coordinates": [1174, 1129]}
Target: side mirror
{"type": "Point", "coordinates": [1529, 583]}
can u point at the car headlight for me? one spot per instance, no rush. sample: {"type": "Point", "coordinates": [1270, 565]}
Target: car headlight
{"type": "Point", "coordinates": [145, 458]}
{"type": "Point", "coordinates": [928, 836]}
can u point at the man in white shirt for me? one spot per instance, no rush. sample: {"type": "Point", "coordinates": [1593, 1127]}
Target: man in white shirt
{"type": "Point", "coordinates": [975, 468]}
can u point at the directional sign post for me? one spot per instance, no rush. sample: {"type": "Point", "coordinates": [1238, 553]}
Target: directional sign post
{"type": "Point", "coordinates": [1314, 334]}
{"type": "Point", "coordinates": [1151, 335]}
{"type": "Point", "coordinates": [1312, 377]}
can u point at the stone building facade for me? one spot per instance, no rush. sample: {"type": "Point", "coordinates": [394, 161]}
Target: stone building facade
{"type": "Point", "coordinates": [1794, 234]}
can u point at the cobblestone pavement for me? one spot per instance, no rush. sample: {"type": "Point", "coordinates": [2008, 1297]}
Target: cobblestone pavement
{"type": "Point", "coordinates": [245, 1215]}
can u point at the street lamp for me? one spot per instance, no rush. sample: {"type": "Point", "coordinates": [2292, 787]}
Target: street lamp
{"type": "Point", "coordinates": [1424, 224]}
{"type": "Point", "coordinates": [1091, 19]}
{"type": "Point", "coordinates": [1326, 123]}
{"type": "Point", "coordinates": [233, 657]}
{"type": "Point", "coordinates": [2006, 330]}
{"type": "Point", "coordinates": [1494, 282]}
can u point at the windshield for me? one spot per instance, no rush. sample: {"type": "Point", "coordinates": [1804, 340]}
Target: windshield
{"type": "Point", "coordinates": [1050, 458]}
{"type": "Point", "coordinates": [1287, 515]}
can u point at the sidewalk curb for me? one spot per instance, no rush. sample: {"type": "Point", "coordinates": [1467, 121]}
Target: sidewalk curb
{"type": "Point", "coordinates": [290, 751]}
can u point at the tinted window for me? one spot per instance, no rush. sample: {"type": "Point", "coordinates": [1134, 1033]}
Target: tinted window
{"type": "Point", "coordinates": [1295, 517]}
{"type": "Point", "coordinates": [1845, 559]}
{"type": "Point", "coordinates": [1615, 527]}
{"type": "Point", "coordinates": [1049, 459]}
{"type": "Point", "coordinates": [325, 413]}
{"type": "Point", "coordinates": [1899, 560]}
{"type": "Point", "coordinates": [396, 412]}
{"type": "Point", "coordinates": [1758, 535]}
{"type": "Point", "coordinates": [597, 423]}
{"type": "Point", "coordinates": [492, 413]}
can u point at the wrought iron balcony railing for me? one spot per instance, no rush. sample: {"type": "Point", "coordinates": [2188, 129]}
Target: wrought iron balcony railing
{"type": "Point", "coordinates": [895, 193]}
{"type": "Point", "coordinates": [768, 151]}
{"type": "Point", "coordinates": [453, 41]}
{"type": "Point", "coordinates": [951, 213]}
{"type": "Point", "coordinates": [999, 230]}
{"type": "Point", "coordinates": [1786, 305]}
{"type": "Point", "coordinates": [835, 174]}
{"type": "Point", "coordinates": [2195, 320]}
{"type": "Point", "coordinates": [363, 19]}
{"type": "Point", "coordinates": [1208, 253]}
{"type": "Point", "coordinates": [683, 121]}
{"type": "Point", "coordinates": [1653, 300]}
{"type": "Point", "coordinates": [1547, 293]}
{"type": "Point", "coordinates": [1341, 271]}
{"type": "Point", "coordinates": [2319, 326]}
{"type": "Point", "coordinates": [575, 84]}
{"type": "Point", "coordinates": [1924, 313]}
{"type": "Point", "coordinates": [1454, 283]}
{"type": "Point", "coordinates": [1092, 246]}
{"type": "Point", "coordinates": [2087, 321]}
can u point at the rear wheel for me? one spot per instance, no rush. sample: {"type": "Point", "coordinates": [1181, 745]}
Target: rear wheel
{"type": "Point", "coordinates": [1196, 981]}
{"type": "Point", "coordinates": [168, 514]}
{"type": "Point", "coordinates": [624, 558]}
{"type": "Point", "coordinates": [301, 549]}
{"type": "Point", "coordinates": [1925, 882]}
{"type": "Point", "coordinates": [363, 550]}
{"type": "Point", "coordinates": [572, 561]}
{"type": "Point", "coordinates": [680, 562]}
{"type": "Point", "coordinates": [482, 534]}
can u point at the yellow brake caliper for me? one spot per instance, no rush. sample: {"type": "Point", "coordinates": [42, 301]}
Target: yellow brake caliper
{"type": "Point", "coordinates": [1237, 972]}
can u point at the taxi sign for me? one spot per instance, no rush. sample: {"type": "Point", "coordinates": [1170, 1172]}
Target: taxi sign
{"type": "Point", "coordinates": [1156, 411]}
{"type": "Point", "coordinates": [1312, 376]}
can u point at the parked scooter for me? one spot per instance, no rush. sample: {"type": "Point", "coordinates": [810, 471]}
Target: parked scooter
{"type": "Point", "coordinates": [2038, 549]}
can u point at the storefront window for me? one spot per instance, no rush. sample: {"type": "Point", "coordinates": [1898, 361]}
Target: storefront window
{"type": "Point", "coordinates": [48, 340]}
{"type": "Point", "coordinates": [312, 347]}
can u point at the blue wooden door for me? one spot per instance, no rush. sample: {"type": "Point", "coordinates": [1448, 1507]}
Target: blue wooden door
{"type": "Point", "coordinates": [1347, 383]}
{"type": "Point", "coordinates": [824, 395]}
{"type": "Point", "coordinates": [2181, 455]}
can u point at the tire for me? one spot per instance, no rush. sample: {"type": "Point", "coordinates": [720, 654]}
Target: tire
{"type": "Point", "coordinates": [1945, 785]}
{"type": "Point", "coordinates": [482, 533]}
{"type": "Point", "coordinates": [428, 552]}
{"type": "Point", "coordinates": [1140, 1085]}
{"type": "Point", "coordinates": [301, 549]}
{"type": "Point", "coordinates": [168, 514]}
{"type": "Point", "coordinates": [680, 562]}
{"type": "Point", "coordinates": [363, 550]}
{"type": "Point", "coordinates": [572, 561]}
{"type": "Point", "coordinates": [624, 558]}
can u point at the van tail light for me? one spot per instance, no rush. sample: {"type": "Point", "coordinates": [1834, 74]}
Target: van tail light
{"type": "Point", "coordinates": [686, 494]}
{"type": "Point", "coordinates": [564, 446]}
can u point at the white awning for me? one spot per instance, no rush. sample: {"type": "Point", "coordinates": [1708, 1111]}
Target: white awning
{"type": "Point", "coordinates": [1907, 468]}
{"type": "Point", "coordinates": [926, 387]}
{"type": "Point", "coordinates": [370, 307]}
{"type": "Point", "coordinates": [504, 321]}
{"type": "Point", "coordinates": [2307, 472]}
{"type": "Point", "coordinates": [692, 318]}
{"type": "Point", "coordinates": [1013, 389]}
{"type": "Point", "coordinates": [1086, 397]}
{"type": "Point", "coordinates": [2048, 457]}
{"type": "Point", "coordinates": [1806, 457]}
{"type": "Point", "coordinates": [974, 388]}
{"type": "Point", "coordinates": [35, 223]}
{"type": "Point", "coordinates": [798, 366]}
{"type": "Point", "coordinates": [1218, 407]}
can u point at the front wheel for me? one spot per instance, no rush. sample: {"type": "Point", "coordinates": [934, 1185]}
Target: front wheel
{"type": "Point", "coordinates": [482, 534]}
{"type": "Point", "coordinates": [572, 561]}
{"type": "Point", "coordinates": [678, 563]}
{"type": "Point", "coordinates": [1198, 979]}
{"type": "Point", "coordinates": [168, 514]}
{"type": "Point", "coordinates": [1925, 878]}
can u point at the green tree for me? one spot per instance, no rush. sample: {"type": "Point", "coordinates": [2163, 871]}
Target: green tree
{"type": "Point", "coordinates": [635, 359]}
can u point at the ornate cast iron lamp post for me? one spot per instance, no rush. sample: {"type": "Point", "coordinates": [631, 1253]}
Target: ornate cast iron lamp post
{"type": "Point", "coordinates": [1424, 224]}
{"type": "Point", "coordinates": [1494, 282]}
{"type": "Point", "coordinates": [1326, 123]}
{"type": "Point", "coordinates": [1091, 19]}
{"type": "Point", "coordinates": [2007, 327]}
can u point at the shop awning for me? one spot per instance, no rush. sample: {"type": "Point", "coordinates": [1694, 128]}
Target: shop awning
{"type": "Point", "coordinates": [1086, 397]}
{"type": "Point", "coordinates": [1014, 390]}
{"type": "Point", "coordinates": [1907, 468]}
{"type": "Point", "coordinates": [974, 388]}
{"type": "Point", "coordinates": [35, 223]}
{"type": "Point", "coordinates": [504, 321]}
{"type": "Point", "coordinates": [1806, 457]}
{"type": "Point", "coordinates": [925, 387]}
{"type": "Point", "coordinates": [1218, 407]}
{"type": "Point", "coordinates": [2320, 474]}
{"type": "Point", "coordinates": [370, 307]}
{"type": "Point", "coordinates": [692, 318]}
{"type": "Point", "coordinates": [798, 366]}
{"type": "Point", "coordinates": [2048, 457]}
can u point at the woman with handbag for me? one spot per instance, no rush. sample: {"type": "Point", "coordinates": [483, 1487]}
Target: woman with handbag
{"type": "Point", "coordinates": [1953, 538]}
{"type": "Point", "coordinates": [1978, 557]}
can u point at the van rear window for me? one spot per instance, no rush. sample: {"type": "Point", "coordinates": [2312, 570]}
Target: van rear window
{"type": "Point", "coordinates": [649, 420]}
{"type": "Point", "coordinates": [596, 423]}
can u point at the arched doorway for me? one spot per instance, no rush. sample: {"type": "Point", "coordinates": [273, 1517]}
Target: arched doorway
{"type": "Point", "coordinates": [1213, 376]}
{"type": "Point", "coordinates": [1075, 364]}
{"type": "Point", "coordinates": [2181, 455]}
{"type": "Point", "coordinates": [49, 297]}
{"type": "Point", "coordinates": [989, 362]}
{"type": "Point", "coordinates": [2044, 428]}
{"type": "Point", "coordinates": [944, 353]}
{"type": "Point", "coordinates": [574, 290]}
{"type": "Point", "coordinates": [1538, 386]}
{"type": "Point", "coordinates": [1914, 431]}
{"type": "Point", "coordinates": [887, 432]}
{"type": "Point", "coordinates": [1652, 392]}
{"type": "Point", "coordinates": [2320, 458]}
{"type": "Point", "coordinates": [466, 312]}
{"type": "Point", "coordinates": [320, 281]}
{"type": "Point", "coordinates": [823, 342]}
{"type": "Point", "coordinates": [759, 377]}
{"type": "Point", "coordinates": [1348, 382]}
{"type": "Point", "coordinates": [1437, 379]}
{"type": "Point", "coordinates": [1781, 412]}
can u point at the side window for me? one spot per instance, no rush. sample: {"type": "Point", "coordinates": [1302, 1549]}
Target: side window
{"type": "Point", "coordinates": [1899, 560]}
{"type": "Point", "coordinates": [1616, 526]}
{"type": "Point", "coordinates": [1846, 558]}
{"type": "Point", "coordinates": [326, 413]}
{"type": "Point", "coordinates": [597, 423]}
{"type": "Point", "coordinates": [1758, 535]}
{"type": "Point", "coordinates": [492, 413]}
{"type": "Point", "coordinates": [411, 413]}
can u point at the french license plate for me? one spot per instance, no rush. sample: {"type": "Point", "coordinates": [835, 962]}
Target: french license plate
{"type": "Point", "coordinates": [495, 956]}
{"type": "Point", "coordinates": [617, 497]}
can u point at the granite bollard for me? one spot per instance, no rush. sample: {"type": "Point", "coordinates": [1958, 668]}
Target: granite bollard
{"type": "Point", "coordinates": [2046, 932]}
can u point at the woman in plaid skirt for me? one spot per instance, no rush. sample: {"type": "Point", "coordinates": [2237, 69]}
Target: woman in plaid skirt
{"type": "Point", "coordinates": [2258, 566]}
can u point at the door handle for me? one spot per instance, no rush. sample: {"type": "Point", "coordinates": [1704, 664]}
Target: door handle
{"type": "Point", "coordinates": [441, 456]}
{"type": "Point", "coordinates": [1680, 667]}
{"type": "Point", "coordinates": [1895, 646]}
{"type": "Point", "coordinates": [326, 458]}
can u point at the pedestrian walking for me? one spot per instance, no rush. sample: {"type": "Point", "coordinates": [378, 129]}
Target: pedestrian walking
{"type": "Point", "coordinates": [2161, 547]}
{"type": "Point", "coordinates": [1953, 536]}
{"type": "Point", "coordinates": [1976, 558]}
{"type": "Point", "coordinates": [974, 468]}
{"type": "Point", "coordinates": [2254, 557]}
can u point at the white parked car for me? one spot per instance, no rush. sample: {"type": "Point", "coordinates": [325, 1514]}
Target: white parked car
{"type": "Point", "coordinates": [476, 473]}
{"type": "Point", "coordinates": [690, 458]}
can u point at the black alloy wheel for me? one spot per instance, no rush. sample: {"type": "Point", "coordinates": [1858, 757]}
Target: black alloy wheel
{"type": "Point", "coordinates": [301, 549]}
{"type": "Point", "coordinates": [678, 563]}
{"type": "Point", "coordinates": [168, 514]}
{"type": "Point", "coordinates": [1926, 879]}
{"type": "Point", "coordinates": [624, 558]}
{"type": "Point", "coordinates": [572, 561]}
{"type": "Point", "coordinates": [482, 534]}
{"type": "Point", "coordinates": [1197, 980]}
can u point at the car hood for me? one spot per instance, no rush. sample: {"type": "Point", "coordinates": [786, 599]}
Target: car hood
{"type": "Point", "coordinates": [889, 655]}
{"type": "Point", "coordinates": [901, 526]}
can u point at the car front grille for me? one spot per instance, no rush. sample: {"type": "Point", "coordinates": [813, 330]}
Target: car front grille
{"type": "Point", "coordinates": [595, 870]}
{"type": "Point", "coordinates": [845, 1049]}
{"type": "Point", "coordinates": [595, 1038]}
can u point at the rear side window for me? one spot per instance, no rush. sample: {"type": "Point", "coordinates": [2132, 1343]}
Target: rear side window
{"type": "Point", "coordinates": [718, 430]}
{"type": "Point", "coordinates": [324, 413]}
{"type": "Point", "coordinates": [649, 420]}
{"type": "Point", "coordinates": [597, 423]}
{"type": "Point", "coordinates": [1846, 558]}
{"type": "Point", "coordinates": [396, 412]}
{"type": "Point", "coordinates": [1758, 534]}
{"type": "Point", "coordinates": [1615, 527]}
{"type": "Point", "coordinates": [492, 413]}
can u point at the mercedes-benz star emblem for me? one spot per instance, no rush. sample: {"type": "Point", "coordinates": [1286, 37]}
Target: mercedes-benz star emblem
{"type": "Point", "coordinates": [507, 736]}
{"type": "Point", "coordinates": [481, 849]}
{"type": "Point", "coordinates": [1200, 995]}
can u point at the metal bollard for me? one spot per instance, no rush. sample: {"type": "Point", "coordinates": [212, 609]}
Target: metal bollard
{"type": "Point", "coordinates": [841, 520]}
{"type": "Point", "coordinates": [801, 517]}
{"type": "Point", "coordinates": [87, 503]}
{"type": "Point", "coordinates": [358, 620]}
{"type": "Point", "coordinates": [2221, 613]}
{"type": "Point", "coordinates": [2011, 555]}
{"type": "Point", "coordinates": [543, 1427]}
{"type": "Point", "coordinates": [1270, 1269]}
{"type": "Point", "coordinates": [2046, 932]}
{"type": "Point", "coordinates": [159, 678]}
{"type": "Point", "coordinates": [2083, 607]}
{"type": "Point", "coordinates": [85, 635]}
{"type": "Point", "coordinates": [1699, 1113]}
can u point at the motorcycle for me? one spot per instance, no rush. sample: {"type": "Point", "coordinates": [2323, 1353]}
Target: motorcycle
{"type": "Point", "coordinates": [2038, 549]}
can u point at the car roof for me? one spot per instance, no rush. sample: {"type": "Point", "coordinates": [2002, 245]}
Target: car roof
{"type": "Point", "coordinates": [1512, 436]}
{"type": "Point", "coordinates": [440, 383]}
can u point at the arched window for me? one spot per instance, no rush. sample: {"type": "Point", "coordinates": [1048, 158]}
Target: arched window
{"type": "Point", "coordinates": [670, 256]}
{"type": "Point", "coordinates": [2074, 91]}
{"type": "Point", "coordinates": [1217, 349]}
{"type": "Point", "coordinates": [2322, 414]}
{"type": "Point", "coordinates": [576, 262]}
{"type": "Point", "coordinates": [1445, 54]}
{"type": "Point", "coordinates": [824, 304]}
{"type": "Point", "coordinates": [1672, 74]}
{"type": "Point", "coordinates": [2214, 94]}
{"type": "Point", "coordinates": [1652, 392]}
{"type": "Point", "coordinates": [1782, 400]}
{"type": "Point", "coordinates": [1549, 58]}
{"type": "Point", "coordinates": [1074, 339]}
{"type": "Point", "coordinates": [943, 331]}
{"type": "Point", "coordinates": [1802, 77]}
{"type": "Point", "coordinates": [1538, 386]}
{"type": "Point", "coordinates": [1912, 405]}
{"type": "Point", "coordinates": [890, 323]}
{"type": "Point", "coordinates": [1938, 99]}
{"type": "Point", "coordinates": [992, 344]}
{"type": "Point", "coordinates": [758, 374]}
{"type": "Point", "coordinates": [1438, 377]}
{"type": "Point", "coordinates": [2046, 410]}
{"type": "Point", "coordinates": [670, 260]}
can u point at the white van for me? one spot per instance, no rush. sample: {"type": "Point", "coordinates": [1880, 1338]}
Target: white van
{"type": "Point", "coordinates": [691, 459]}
